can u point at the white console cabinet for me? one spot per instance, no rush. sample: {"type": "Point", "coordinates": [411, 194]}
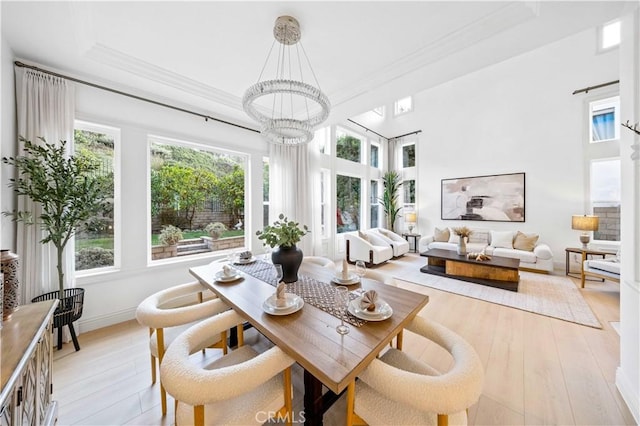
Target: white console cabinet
{"type": "Point", "coordinates": [26, 351]}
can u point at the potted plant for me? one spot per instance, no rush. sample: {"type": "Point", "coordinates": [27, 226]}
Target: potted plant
{"type": "Point", "coordinates": [389, 200]}
{"type": "Point", "coordinates": [215, 230]}
{"type": "Point", "coordinates": [284, 234]}
{"type": "Point", "coordinates": [170, 236]}
{"type": "Point", "coordinates": [70, 194]}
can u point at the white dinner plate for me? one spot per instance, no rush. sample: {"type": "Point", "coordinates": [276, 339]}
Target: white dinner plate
{"type": "Point", "coordinates": [353, 279]}
{"type": "Point", "coordinates": [245, 261]}
{"type": "Point", "coordinates": [381, 313]}
{"type": "Point", "coordinates": [220, 276]}
{"type": "Point", "coordinates": [294, 304]}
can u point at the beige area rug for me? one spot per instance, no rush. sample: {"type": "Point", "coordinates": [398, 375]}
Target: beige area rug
{"type": "Point", "coordinates": [550, 295]}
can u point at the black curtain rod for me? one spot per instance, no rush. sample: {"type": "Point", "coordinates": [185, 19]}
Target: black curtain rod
{"type": "Point", "coordinates": [367, 129]}
{"type": "Point", "coordinates": [586, 89]}
{"type": "Point", "coordinates": [140, 98]}
{"type": "Point", "coordinates": [406, 134]}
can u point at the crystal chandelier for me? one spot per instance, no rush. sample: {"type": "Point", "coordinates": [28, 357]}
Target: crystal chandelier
{"type": "Point", "coordinates": [287, 108]}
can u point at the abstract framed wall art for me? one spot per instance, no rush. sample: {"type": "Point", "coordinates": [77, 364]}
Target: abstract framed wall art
{"type": "Point", "coordinates": [497, 198]}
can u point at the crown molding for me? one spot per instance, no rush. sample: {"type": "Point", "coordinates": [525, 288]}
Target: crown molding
{"type": "Point", "coordinates": [459, 39]}
{"type": "Point", "coordinates": [117, 59]}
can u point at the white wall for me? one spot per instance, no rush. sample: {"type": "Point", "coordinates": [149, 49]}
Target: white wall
{"type": "Point", "coordinates": [628, 374]}
{"type": "Point", "coordinates": [515, 116]}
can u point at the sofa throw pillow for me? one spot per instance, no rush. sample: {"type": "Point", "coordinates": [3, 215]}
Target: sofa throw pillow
{"type": "Point", "coordinates": [363, 236]}
{"type": "Point", "coordinates": [479, 237]}
{"type": "Point", "coordinates": [441, 235]}
{"type": "Point", "coordinates": [453, 238]}
{"type": "Point", "coordinates": [525, 242]}
{"type": "Point", "coordinates": [502, 239]}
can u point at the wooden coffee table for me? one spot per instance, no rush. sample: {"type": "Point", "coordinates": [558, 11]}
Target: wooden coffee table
{"type": "Point", "coordinates": [501, 272]}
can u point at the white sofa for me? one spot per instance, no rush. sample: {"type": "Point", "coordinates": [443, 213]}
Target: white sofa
{"type": "Point", "coordinates": [367, 246]}
{"type": "Point", "coordinates": [496, 243]}
{"type": "Point", "coordinates": [608, 269]}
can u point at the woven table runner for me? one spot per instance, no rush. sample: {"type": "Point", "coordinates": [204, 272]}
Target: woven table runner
{"type": "Point", "coordinates": [317, 293]}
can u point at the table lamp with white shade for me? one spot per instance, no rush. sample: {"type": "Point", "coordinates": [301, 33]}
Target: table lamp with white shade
{"type": "Point", "coordinates": [410, 219]}
{"type": "Point", "coordinates": [586, 224]}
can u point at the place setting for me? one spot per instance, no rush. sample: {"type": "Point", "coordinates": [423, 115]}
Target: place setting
{"type": "Point", "coordinates": [242, 258]}
{"type": "Point", "coordinates": [227, 274]}
{"type": "Point", "coordinates": [370, 307]}
{"type": "Point", "coordinates": [282, 303]}
{"type": "Point", "coordinates": [347, 277]}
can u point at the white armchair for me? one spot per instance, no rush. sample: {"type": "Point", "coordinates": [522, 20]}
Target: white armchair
{"type": "Point", "coordinates": [231, 389]}
{"type": "Point", "coordinates": [368, 247]}
{"type": "Point", "coordinates": [166, 322]}
{"type": "Point", "coordinates": [380, 397]}
{"type": "Point", "coordinates": [399, 245]}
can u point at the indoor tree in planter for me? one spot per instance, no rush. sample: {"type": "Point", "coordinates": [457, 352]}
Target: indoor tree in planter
{"type": "Point", "coordinates": [389, 199]}
{"type": "Point", "coordinates": [285, 234]}
{"type": "Point", "coordinates": [69, 192]}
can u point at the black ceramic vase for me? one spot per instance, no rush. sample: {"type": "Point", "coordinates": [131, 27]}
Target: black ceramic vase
{"type": "Point", "coordinates": [290, 258]}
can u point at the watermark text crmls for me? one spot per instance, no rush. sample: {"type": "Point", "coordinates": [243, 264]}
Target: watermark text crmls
{"type": "Point", "coordinates": [264, 416]}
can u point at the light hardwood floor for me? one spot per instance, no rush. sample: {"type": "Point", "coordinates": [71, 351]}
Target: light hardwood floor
{"type": "Point", "coordinates": [538, 370]}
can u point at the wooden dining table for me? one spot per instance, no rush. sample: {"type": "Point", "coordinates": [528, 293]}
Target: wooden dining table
{"type": "Point", "coordinates": [309, 335]}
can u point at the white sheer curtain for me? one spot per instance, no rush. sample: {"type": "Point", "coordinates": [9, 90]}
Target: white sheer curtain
{"type": "Point", "coordinates": [45, 108]}
{"type": "Point", "coordinates": [290, 188]}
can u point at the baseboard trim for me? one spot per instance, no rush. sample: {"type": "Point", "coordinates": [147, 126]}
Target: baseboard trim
{"type": "Point", "coordinates": [106, 320]}
{"type": "Point", "coordinates": [629, 397]}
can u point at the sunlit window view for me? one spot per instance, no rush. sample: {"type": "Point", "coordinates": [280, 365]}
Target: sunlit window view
{"type": "Point", "coordinates": [197, 199]}
{"type": "Point", "coordinates": [348, 203]}
{"type": "Point", "coordinates": [94, 246]}
{"type": "Point", "coordinates": [605, 198]}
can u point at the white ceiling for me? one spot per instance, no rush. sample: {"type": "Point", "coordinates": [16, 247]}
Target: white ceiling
{"type": "Point", "coordinates": [205, 54]}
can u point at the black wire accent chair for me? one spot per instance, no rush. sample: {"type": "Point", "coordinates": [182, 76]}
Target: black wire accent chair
{"type": "Point", "coordinates": [69, 310]}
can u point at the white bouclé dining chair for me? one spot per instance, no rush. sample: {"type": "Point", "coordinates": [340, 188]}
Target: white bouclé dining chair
{"type": "Point", "coordinates": [320, 261]}
{"type": "Point", "coordinates": [241, 388]}
{"type": "Point", "coordinates": [166, 319]}
{"type": "Point", "coordinates": [399, 389]}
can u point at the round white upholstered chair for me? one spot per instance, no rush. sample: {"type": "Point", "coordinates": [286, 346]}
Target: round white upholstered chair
{"type": "Point", "coordinates": [399, 389]}
{"type": "Point", "coordinates": [319, 260]}
{"type": "Point", "coordinates": [169, 312]}
{"type": "Point", "coordinates": [240, 388]}
{"type": "Point", "coordinates": [380, 276]}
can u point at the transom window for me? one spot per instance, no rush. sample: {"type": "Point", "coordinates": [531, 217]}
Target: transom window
{"type": "Point", "coordinates": [348, 146]}
{"type": "Point", "coordinates": [610, 35]}
{"type": "Point", "coordinates": [603, 119]}
{"type": "Point", "coordinates": [402, 106]}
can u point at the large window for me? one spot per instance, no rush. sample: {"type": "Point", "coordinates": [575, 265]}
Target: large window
{"type": "Point", "coordinates": [603, 119]}
{"type": "Point", "coordinates": [409, 155]}
{"type": "Point", "coordinates": [95, 247]}
{"type": "Point", "coordinates": [195, 190]}
{"type": "Point", "coordinates": [605, 198]}
{"type": "Point", "coordinates": [348, 146]}
{"type": "Point", "coordinates": [348, 191]}
{"type": "Point", "coordinates": [375, 205]}
{"type": "Point", "coordinates": [375, 155]}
